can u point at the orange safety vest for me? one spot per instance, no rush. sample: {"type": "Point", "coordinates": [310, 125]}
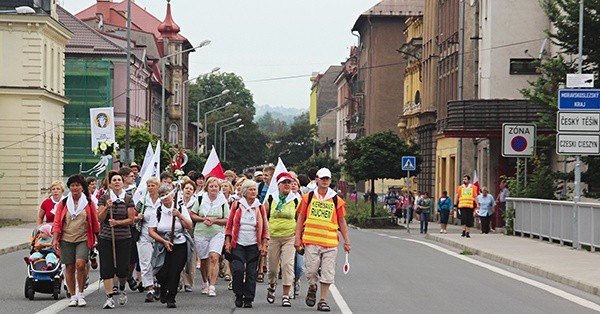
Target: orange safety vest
{"type": "Point", "coordinates": [466, 196]}
{"type": "Point", "coordinates": [320, 227]}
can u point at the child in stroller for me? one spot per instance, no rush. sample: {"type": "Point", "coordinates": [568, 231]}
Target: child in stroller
{"type": "Point", "coordinates": [42, 251]}
{"type": "Point", "coordinates": [44, 272]}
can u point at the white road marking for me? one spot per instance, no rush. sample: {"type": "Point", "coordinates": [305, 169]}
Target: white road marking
{"type": "Point", "coordinates": [393, 237]}
{"type": "Point", "coordinates": [339, 300]}
{"type": "Point", "coordinates": [62, 304]}
{"type": "Point", "coordinates": [382, 234]}
{"type": "Point", "coordinates": [560, 293]}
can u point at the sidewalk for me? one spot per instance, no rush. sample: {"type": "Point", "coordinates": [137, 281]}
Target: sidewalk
{"type": "Point", "coordinates": [15, 238]}
{"type": "Point", "coordinates": [576, 268]}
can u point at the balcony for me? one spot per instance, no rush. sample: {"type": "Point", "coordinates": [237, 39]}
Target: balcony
{"type": "Point", "coordinates": [484, 118]}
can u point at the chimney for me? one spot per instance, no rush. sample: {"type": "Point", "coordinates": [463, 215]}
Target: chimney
{"type": "Point", "coordinates": [103, 9]}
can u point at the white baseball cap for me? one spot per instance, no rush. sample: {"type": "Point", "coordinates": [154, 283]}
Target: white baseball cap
{"type": "Point", "coordinates": [323, 173]}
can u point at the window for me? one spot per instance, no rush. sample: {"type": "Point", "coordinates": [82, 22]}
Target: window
{"type": "Point", "coordinates": [177, 55]}
{"type": "Point", "coordinates": [523, 66]}
{"type": "Point", "coordinates": [176, 94]}
{"type": "Point", "coordinates": [173, 133]}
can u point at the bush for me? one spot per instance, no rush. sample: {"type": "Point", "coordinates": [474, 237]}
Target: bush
{"type": "Point", "coordinates": [359, 214]}
{"type": "Point", "coordinates": [509, 220]}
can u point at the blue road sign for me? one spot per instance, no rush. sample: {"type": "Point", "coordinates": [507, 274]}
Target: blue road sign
{"type": "Point", "coordinates": [579, 99]}
{"type": "Point", "coordinates": [409, 163]}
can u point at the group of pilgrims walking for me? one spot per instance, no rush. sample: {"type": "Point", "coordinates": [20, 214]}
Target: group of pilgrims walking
{"type": "Point", "coordinates": [235, 228]}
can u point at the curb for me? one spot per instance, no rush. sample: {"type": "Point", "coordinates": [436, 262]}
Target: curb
{"type": "Point", "coordinates": [14, 248]}
{"type": "Point", "coordinates": [532, 269]}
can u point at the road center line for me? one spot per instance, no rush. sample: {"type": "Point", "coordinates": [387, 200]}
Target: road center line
{"type": "Point", "coordinates": [62, 304]}
{"type": "Point", "coordinates": [339, 300]}
{"type": "Point", "coordinates": [560, 293]}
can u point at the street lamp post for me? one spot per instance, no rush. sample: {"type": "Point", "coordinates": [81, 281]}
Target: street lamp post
{"type": "Point", "coordinates": [162, 73]}
{"type": "Point", "coordinates": [224, 92]}
{"type": "Point", "coordinates": [184, 114]}
{"type": "Point", "coordinates": [221, 132]}
{"type": "Point", "coordinates": [225, 140]}
{"type": "Point", "coordinates": [235, 115]}
{"type": "Point", "coordinates": [206, 122]}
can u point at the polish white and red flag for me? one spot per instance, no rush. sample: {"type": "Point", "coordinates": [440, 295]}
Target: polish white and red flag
{"type": "Point", "coordinates": [476, 181]}
{"type": "Point", "coordinates": [212, 167]}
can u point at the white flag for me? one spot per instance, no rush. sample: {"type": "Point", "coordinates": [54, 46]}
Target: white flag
{"type": "Point", "coordinates": [153, 170]}
{"type": "Point", "coordinates": [273, 188]}
{"type": "Point", "coordinates": [147, 158]}
{"type": "Point", "coordinates": [102, 121]}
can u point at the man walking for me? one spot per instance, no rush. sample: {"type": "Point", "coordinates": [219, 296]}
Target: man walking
{"type": "Point", "coordinates": [465, 202]}
{"type": "Point", "coordinates": [320, 214]}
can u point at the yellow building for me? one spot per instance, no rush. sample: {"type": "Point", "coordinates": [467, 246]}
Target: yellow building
{"type": "Point", "coordinates": [32, 100]}
{"type": "Point", "coordinates": [411, 106]}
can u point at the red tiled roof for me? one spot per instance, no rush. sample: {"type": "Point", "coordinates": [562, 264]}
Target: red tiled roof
{"type": "Point", "coordinates": [86, 40]}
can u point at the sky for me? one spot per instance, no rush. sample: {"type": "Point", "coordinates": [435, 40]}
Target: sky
{"type": "Point", "coordinates": [263, 40]}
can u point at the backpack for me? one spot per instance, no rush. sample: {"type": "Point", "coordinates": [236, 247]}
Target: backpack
{"type": "Point", "coordinates": [270, 201]}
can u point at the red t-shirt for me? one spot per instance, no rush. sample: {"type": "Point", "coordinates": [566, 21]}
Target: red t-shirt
{"type": "Point", "coordinates": [48, 206]}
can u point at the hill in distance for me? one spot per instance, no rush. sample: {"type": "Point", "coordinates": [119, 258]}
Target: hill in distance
{"type": "Point", "coordinates": [278, 112]}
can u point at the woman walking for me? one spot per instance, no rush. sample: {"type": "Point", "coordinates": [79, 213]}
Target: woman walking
{"type": "Point", "coordinates": [173, 245]}
{"type": "Point", "coordinates": [210, 218]}
{"type": "Point", "coordinates": [444, 208]}
{"type": "Point", "coordinates": [424, 207]}
{"type": "Point", "coordinates": [57, 188]}
{"type": "Point", "coordinates": [147, 216]}
{"type": "Point", "coordinates": [281, 214]}
{"type": "Point", "coordinates": [74, 233]}
{"type": "Point", "coordinates": [246, 238]}
{"type": "Point", "coordinates": [485, 205]}
{"type": "Point", "coordinates": [114, 240]}
{"type": "Point", "coordinates": [190, 203]}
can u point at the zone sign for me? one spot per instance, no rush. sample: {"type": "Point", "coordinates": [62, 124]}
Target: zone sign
{"type": "Point", "coordinates": [518, 139]}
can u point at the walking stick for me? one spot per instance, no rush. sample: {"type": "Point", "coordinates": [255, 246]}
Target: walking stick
{"type": "Point", "coordinates": [112, 228]}
{"type": "Point", "coordinates": [176, 200]}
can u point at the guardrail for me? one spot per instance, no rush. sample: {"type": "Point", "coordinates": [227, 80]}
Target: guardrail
{"type": "Point", "coordinates": [553, 221]}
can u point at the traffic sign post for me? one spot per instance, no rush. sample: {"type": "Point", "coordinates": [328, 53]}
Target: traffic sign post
{"type": "Point", "coordinates": [518, 139]}
{"type": "Point", "coordinates": [409, 163]}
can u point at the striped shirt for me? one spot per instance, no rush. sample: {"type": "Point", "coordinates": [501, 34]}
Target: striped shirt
{"type": "Point", "coordinates": [119, 213]}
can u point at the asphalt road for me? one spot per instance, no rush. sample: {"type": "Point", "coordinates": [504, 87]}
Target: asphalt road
{"type": "Point", "coordinates": [391, 272]}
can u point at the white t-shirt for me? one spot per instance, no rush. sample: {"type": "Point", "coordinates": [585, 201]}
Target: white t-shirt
{"type": "Point", "coordinates": [247, 234]}
{"type": "Point", "coordinates": [164, 225]}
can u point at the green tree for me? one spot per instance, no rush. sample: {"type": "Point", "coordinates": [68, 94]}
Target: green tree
{"type": "Point", "coordinates": [294, 145]}
{"type": "Point", "coordinates": [139, 139]}
{"type": "Point", "coordinates": [318, 161]}
{"type": "Point", "coordinates": [270, 126]}
{"type": "Point", "coordinates": [378, 156]}
{"type": "Point", "coordinates": [246, 146]}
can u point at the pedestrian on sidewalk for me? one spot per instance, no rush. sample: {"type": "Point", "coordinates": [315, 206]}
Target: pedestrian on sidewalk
{"type": "Point", "coordinates": [190, 203]}
{"type": "Point", "coordinates": [320, 214]}
{"type": "Point", "coordinates": [503, 193]}
{"type": "Point", "coordinates": [465, 203]}
{"type": "Point", "coordinates": [445, 209]}
{"type": "Point", "coordinates": [74, 234]}
{"type": "Point", "coordinates": [485, 205]}
{"type": "Point", "coordinates": [424, 207]}
{"type": "Point", "coordinates": [246, 241]}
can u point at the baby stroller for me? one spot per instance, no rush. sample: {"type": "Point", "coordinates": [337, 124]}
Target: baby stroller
{"type": "Point", "coordinates": [39, 278]}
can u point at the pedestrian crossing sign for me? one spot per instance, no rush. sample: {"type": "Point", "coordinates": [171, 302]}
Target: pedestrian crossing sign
{"type": "Point", "coordinates": [409, 163]}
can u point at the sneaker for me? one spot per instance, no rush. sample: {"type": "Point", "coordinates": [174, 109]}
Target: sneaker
{"type": "Point", "coordinates": [93, 262]}
{"type": "Point", "coordinates": [297, 289]}
{"type": "Point", "coordinates": [468, 236]}
{"type": "Point", "coordinates": [109, 304]}
{"type": "Point", "coordinates": [171, 305]}
{"type": "Point", "coordinates": [441, 230]}
{"type": "Point", "coordinates": [149, 296]}
{"type": "Point", "coordinates": [204, 288]}
{"type": "Point", "coordinates": [81, 302]}
{"type": "Point", "coordinates": [73, 302]}
{"type": "Point", "coordinates": [463, 233]}
{"type": "Point", "coordinates": [133, 284]}
{"type": "Point", "coordinates": [156, 293]}
{"type": "Point", "coordinates": [122, 297]}
{"type": "Point", "coordinates": [230, 285]}
{"type": "Point", "coordinates": [212, 291]}
{"type": "Point", "coordinates": [187, 288]}
{"type": "Point", "coordinates": [239, 302]}
{"type": "Point", "coordinates": [247, 304]}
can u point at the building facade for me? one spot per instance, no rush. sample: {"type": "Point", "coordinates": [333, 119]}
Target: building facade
{"type": "Point", "coordinates": [32, 100]}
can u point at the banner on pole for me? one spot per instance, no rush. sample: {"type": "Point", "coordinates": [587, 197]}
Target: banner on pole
{"type": "Point", "coordinates": [102, 121]}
